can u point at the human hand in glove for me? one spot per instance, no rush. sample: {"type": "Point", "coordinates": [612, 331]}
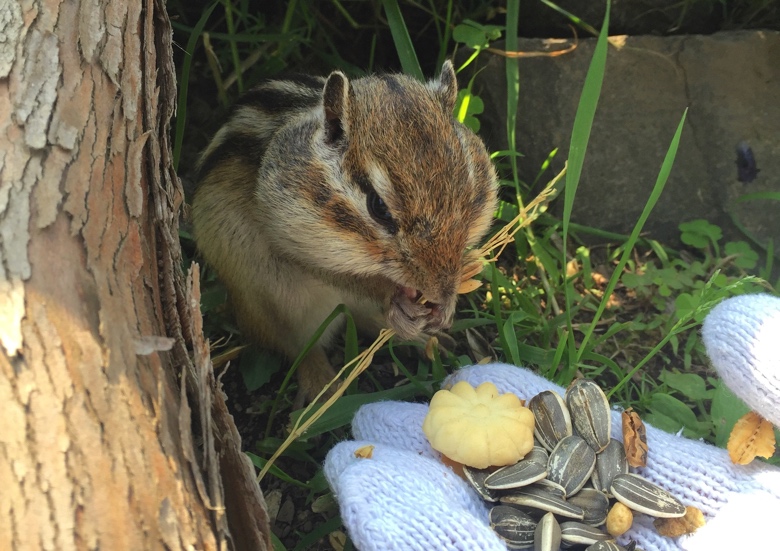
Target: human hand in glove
{"type": "Point", "coordinates": [405, 498]}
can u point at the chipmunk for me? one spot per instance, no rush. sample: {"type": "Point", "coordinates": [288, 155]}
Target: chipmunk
{"type": "Point", "coordinates": [319, 192]}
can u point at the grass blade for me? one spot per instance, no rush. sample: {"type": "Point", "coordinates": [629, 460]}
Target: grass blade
{"type": "Point", "coordinates": [341, 413]}
{"type": "Point", "coordinates": [660, 183]}
{"type": "Point", "coordinates": [181, 102]}
{"type": "Point", "coordinates": [770, 256]}
{"type": "Point", "coordinates": [510, 338]}
{"type": "Point", "coordinates": [402, 40]}
{"type": "Point", "coordinates": [760, 196]}
{"type": "Point", "coordinates": [339, 310]}
{"type": "Point", "coordinates": [580, 134]}
{"type": "Point", "coordinates": [319, 532]}
{"type": "Point", "coordinates": [512, 85]}
{"type": "Point", "coordinates": [259, 462]}
{"type": "Point", "coordinates": [445, 40]}
{"type": "Point", "coordinates": [573, 18]}
{"type": "Point", "coordinates": [233, 47]}
{"type": "Point", "coordinates": [583, 121]}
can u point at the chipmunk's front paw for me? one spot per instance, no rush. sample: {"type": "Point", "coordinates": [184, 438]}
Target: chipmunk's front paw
{"type": "Point", "coordinates": [409, 317]}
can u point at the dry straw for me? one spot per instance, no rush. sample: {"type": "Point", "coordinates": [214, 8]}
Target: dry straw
{"type": "Point", "coordinates": [474, 263]}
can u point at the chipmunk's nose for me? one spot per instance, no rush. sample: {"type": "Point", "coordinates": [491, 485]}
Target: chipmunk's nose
{"type": "Point", "coordinates": [439, 289]}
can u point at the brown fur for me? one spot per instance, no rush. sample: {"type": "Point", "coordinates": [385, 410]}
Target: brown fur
{"type": "Point", "coordinates": [290, 231]}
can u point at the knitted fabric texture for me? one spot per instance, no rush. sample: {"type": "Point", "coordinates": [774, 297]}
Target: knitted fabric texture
{"type": "Point", "coordinates": [403, 498]}
{"type": "Point", "coordinates": [742, 338]}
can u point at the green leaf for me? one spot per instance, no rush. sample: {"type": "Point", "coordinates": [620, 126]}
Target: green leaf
{"type": "Point", "coordinates": [685, 305]}
{"type": "Point", "coordinates": [466, 107]}
{"type": "Point", "coordinates": [746, 257]}
{"type": "Point", "coordinates": [674, 409]}
{"type": "Point", "coordinates": [213, 297]}
{"type": "Point", "coordinates": [632, 280]}
{"type": "Point", "coordinates": [506, 211]}
{"type": "Point", "coordinates": [318, 483]}
{"type": "Point", "coordinates": [689, 384]}
{"type": "Point", "coordinates": [492, 32]}
{"type": "Point", "coordinates": [700, 233]}
{"type": "Point", "coordinates": [258, 366]}
{"type": "Point", "coordinates": [725, 410]}
{"type": "Point", "coordinates": [662, 422]}
{"type": "Point", "coordinates": [277, 543]}
{"type": "Point", "coordinates": [474, 35]}
{"type": "Point", "coordinates": [720, 280]}
{"type": "Point", "coordinates": [693, 239]}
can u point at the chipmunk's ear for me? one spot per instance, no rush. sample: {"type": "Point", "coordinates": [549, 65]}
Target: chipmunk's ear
{"type": "Point", "coordinates": [335, 102]}
{"type": "Point", "coordinates": [446, 86]}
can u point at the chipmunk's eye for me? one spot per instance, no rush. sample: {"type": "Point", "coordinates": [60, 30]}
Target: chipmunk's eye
{"type": "Point", "coordinates": [379, 211]}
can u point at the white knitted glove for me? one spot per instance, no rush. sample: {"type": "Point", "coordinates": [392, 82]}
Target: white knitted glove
{"type": "Point", "coordinates": [404, 498]}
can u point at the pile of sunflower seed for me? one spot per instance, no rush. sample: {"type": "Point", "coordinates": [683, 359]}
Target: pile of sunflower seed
{"type": "Point", "coordinates": [542, 502]}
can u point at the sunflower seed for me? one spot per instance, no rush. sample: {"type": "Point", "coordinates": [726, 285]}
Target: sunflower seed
{"type": "Point", "coordinates": [540, 498]}
{"type": "Point", "coordinates": [594, 503]}
{"type": "Point", "coordinates": [590, 414]}
{"type": "Point", "coordinates": [571, 463]}
{"type": "Point", "coordinates": [520, 474]}
{"type": "Point", "coordinates": [547, 536]}
{"type": "Point", "coordinates": [552, 418]}
{"type": "Point", "coordinates": [639, 494]}
{"type": "Point", "coordinates": [513, 526]}
{"type": "Point", "coordinates": [605, 546]}
{"type": "Point", "coordinates": [538, 455]}
{"type": "Point", "coordinates": [551, 487]}
{"type": "Point", "coordinates": [582, 534]}
{"type": "Point", "coordinates": [476, 478]}
{"type": "Point", "coordinates": [609, 463]}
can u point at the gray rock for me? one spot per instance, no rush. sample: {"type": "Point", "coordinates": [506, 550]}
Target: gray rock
{"type": "Point", "coordinates": [731, 83]}
{"type": "Point", "coordinates": [632, 17]}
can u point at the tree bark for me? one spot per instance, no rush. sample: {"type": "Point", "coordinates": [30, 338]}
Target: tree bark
{"type": "Point", "coordinates": [98, 324]}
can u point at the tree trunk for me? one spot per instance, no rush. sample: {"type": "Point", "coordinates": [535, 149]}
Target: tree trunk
{"type": "Point", "coordinates": [98, 324]}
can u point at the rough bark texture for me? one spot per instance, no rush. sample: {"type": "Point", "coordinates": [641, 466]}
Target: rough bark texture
{"type": "Point", "coordinates": [98, 325]}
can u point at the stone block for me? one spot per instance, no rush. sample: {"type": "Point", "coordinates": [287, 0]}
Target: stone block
{"type": "Point", "coordinates": [730, 82]}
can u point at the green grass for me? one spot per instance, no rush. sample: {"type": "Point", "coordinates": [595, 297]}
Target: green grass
{"type": "Point", "coordinates": [549, 303]}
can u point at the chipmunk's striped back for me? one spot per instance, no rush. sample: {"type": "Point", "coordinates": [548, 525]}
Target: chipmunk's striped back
{"type": "Point", "coordinates": [257, 115]}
